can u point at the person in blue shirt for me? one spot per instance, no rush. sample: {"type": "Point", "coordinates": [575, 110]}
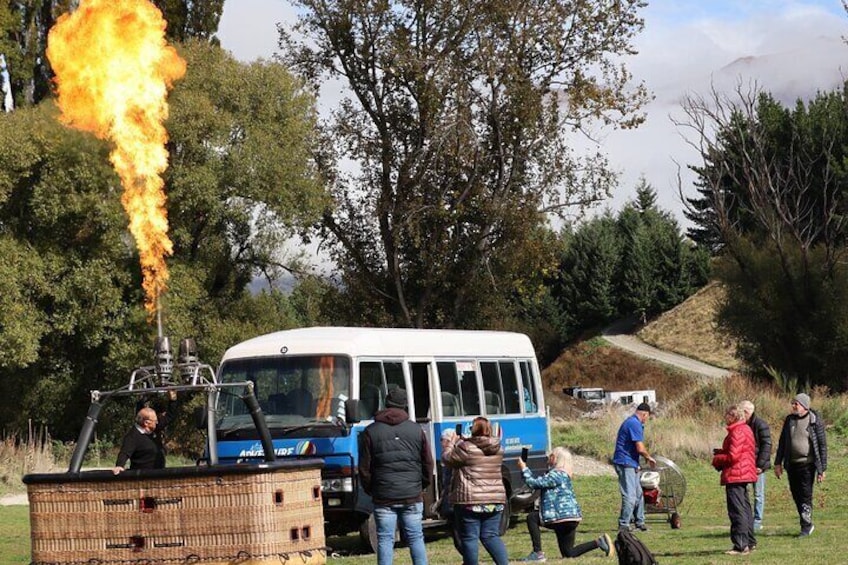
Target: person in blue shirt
{"type": "Point", "coordinates": [629, 445]}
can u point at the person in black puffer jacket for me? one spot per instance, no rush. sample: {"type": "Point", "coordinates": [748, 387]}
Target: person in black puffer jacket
{"type": "Point", "coordinates": [395, 467]}
{"type": "Point", "coordinates": [762, 437]}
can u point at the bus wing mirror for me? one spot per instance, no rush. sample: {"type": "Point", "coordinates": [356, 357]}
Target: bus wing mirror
{"type": "Point", "coordinates": [351, 410]}
{"type": "Point", "coordinates": [200, 417]}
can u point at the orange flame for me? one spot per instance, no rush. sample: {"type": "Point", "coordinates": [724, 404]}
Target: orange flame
{"type": "Point", "coordinates": [113, 71]}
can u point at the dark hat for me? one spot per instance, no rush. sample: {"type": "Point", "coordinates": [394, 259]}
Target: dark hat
{"type": "Point", "coordinates": [396, 398]}
{"type": "Point", "coordinates": [644, 407]}
{"type": "Point", "coordinates": [803, 400]}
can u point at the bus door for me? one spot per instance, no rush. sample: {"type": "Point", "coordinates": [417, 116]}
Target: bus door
{"type": "Point", "coordinates": [421, 379]}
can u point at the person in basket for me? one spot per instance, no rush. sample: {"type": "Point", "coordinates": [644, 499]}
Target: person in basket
{"type": "Point", "coordinates": [558, 510]}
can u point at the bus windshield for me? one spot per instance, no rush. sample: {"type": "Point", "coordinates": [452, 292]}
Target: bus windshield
{"type": "Point", "coordinates": [292, 390]}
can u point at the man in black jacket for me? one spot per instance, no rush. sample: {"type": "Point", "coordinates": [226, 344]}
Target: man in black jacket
{"type": "Point", "coordinates": [762, 437]}
{"type": "Point", "coordinates": [144, 445]}
{"type": "Point", "coordinates": [802, 451]}
{"type": "Point", "coordinates": [395, 467]}
{"type": "Point", "coordinates": [140, 446]}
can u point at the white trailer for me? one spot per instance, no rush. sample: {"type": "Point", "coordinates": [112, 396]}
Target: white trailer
{"type": "Point", "coordinates": [629, 397]}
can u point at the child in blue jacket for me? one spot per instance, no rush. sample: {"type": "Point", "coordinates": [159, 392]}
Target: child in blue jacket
{"type": "Point", "coordinates": [558, 510]}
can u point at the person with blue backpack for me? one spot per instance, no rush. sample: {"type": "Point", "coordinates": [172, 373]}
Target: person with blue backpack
{"type": "Point", "coordinates": [558, 509]}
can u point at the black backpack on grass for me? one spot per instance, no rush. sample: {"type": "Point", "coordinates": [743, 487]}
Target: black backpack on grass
{"type": "Point", "coordinates": [632, 551]}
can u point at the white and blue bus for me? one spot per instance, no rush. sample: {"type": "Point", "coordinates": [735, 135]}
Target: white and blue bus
{"type": "Point", "coordinates": [320, 387]}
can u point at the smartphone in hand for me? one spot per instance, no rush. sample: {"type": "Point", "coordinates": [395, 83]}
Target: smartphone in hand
{"type": "Point", "coordinates": [524, 454]}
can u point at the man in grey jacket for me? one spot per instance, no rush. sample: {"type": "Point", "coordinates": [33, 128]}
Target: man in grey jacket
{"type": "Point", "coordinates": [762, 437]}
{"type": "Point", "coordinates": [802, 451]}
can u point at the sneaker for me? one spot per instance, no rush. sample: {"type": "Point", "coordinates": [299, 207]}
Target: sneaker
{"type": "Point", "coordinates": [535, 557]}
{"type": "Point", "coordinates": [625, 528]}
{"type": "Point", "coordinates": [805, 533]}
{"type": "Point", "coordinates": [606, 545]}
{"type": "Point", "coordinates": [758, 527]}
{"type": "Point", "coordinates": [735, 551]}
{"type": "Point", "coordinates": [642, 527]}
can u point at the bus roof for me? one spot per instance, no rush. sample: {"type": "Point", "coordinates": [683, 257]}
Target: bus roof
{"type": "Point", "coordinates": [385, 342]}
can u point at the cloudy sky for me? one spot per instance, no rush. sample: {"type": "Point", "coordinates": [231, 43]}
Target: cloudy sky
{"type": "Point", "coordinates": [790, 48]}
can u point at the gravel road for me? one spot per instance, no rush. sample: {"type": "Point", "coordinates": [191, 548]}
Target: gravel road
{"type": "Point", "coordinates": [14, 500]}
{"type": "Point", "coordinates": [618, 335]}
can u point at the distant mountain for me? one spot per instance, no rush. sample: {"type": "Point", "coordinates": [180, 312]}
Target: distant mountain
{"type": "Point", "coordinates": [819, 65]}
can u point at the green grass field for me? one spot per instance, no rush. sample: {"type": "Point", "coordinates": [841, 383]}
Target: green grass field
{"type": "Point", "coordinates": [702, 539]}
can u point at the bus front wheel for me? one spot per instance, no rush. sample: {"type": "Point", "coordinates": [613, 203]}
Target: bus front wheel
{"type": "Point", "coordinates": [368, 534]}
{"type": "Point", "coordinates": [506, 518]}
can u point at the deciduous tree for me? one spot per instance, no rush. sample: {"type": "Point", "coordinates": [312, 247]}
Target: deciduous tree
{"type": "Point", "coordinates": [451, 146]}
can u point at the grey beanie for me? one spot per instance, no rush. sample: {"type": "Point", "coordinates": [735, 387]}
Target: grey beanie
{"type": "Point", "coordinates": [396, 398]}
{"type": "Point", "coordinates": [803, 400]}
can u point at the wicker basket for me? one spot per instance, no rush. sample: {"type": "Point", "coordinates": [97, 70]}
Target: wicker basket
{"type": "Point", "coordinates": [270, 513]}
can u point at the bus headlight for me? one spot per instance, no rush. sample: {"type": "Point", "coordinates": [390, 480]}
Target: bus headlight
{"type": "Point", "coordinates": [337, 485]}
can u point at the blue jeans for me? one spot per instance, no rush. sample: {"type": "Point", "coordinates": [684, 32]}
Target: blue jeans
{"type": "Point", "coordinates": [485, 527]}
{"type": "Point", "coordinates": [387, 518]}
{"type": "Point", "coordinates": [759, 499]}
{"type": "Point", "coordinates": [632, 500]}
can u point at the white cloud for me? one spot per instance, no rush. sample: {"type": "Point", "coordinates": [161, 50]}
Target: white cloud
{"type": "Point", "coordinates": [248, 28]}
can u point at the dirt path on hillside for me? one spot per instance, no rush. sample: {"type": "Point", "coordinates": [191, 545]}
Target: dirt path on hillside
{"type": "Point", "coordinates": [619, 335]}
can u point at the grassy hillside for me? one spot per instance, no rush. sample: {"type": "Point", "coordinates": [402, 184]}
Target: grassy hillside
{"type": "Point", "coordinates": [690, 329]}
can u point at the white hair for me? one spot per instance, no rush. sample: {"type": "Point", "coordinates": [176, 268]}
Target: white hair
{"type": "Point", "coordinates": [735, 410]}
{"type": "Point", "coordinates": [747, 406]}
{"type": "Point", "coordinates": [563, 460]}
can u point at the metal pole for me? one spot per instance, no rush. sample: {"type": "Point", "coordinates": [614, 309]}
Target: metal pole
{"type": "Point", "coordinates": [259, 421]}
{"type": "Point", "coordinates": [84, 437]}
{"type": "Point", "coordinates": [158, 317]}
{"type": "Point", "coordinates": [212, 438]}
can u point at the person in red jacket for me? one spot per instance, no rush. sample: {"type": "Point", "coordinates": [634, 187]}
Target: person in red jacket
{"type": "Point", "coordinates": [737, 461]}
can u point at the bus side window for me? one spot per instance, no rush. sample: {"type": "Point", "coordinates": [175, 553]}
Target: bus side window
{"type": "Point", "coordinates": [450, 389]}
{"type": "Point", "coordinates": [512, 404]}
{"type": "Point", "coordinates": [420, 374]}
{"type": "Point", "coordinates": [529, 386]}
{"type": "Point", "coordinates": [370, 389]}
{"type": "Point", "coordinates": [394, 375]}
{"type": "Point", "coordinates": [469, 393]}
{"type": "Point", "coordinates": [450, 405]}
{"type": "Point", "coordinates": [491, 387]}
